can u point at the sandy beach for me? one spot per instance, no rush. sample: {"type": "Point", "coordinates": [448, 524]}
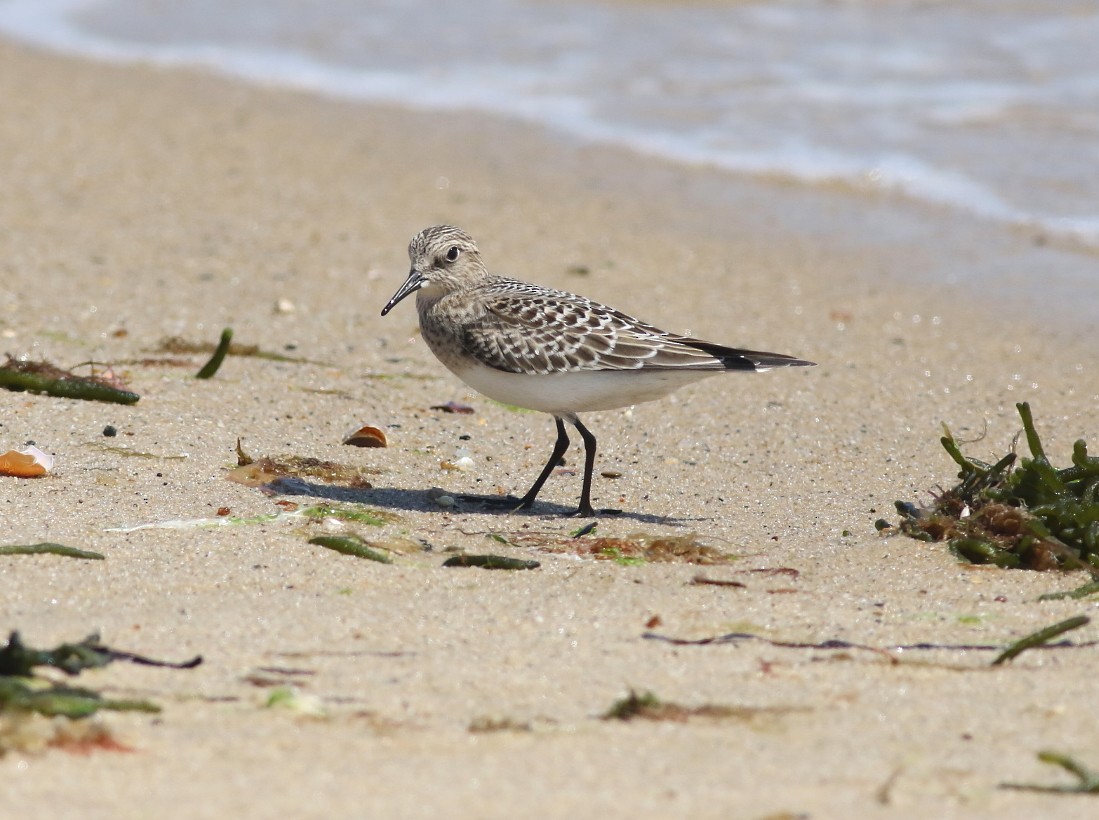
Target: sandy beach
{"type": "Point", "coordinates": [141, 204]}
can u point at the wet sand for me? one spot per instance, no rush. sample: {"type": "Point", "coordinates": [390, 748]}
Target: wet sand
{"type": "Point", "coordinates": [141, 204]}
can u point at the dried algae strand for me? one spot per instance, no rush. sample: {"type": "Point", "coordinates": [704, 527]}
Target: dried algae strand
{"type": "Point", "coordinates": [490, 562]}
{"type": "Point", "coordinates": [351, 545]}
{"type": "Point", "coordinates": [73, 658]}
{"type": "Point", "coordinates": [647, 706]}
{"type": "Point", "coordinates": [1087, 780]}
{"type": "Point", "coordinates": [43, 377]}
{"type": "Point", "coordinates": [50, 548]}
{"type": "Point", "coordinates": [1040, 638]}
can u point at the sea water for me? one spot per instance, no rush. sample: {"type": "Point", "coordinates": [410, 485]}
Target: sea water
{"type": "Point", "coordinates": [985, 107]}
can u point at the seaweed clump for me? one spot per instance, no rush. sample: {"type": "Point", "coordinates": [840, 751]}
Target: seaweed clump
{"type": "Point", "coordinates": [1030, 516]}
{"type": "Point", "coordinates": [29, 703]}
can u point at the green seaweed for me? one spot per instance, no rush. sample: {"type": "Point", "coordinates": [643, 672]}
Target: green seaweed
{"type": "Point", "coordinates": [647, 706]}
{"type": "Point", "coordinates": [632, 705]}
{"type": "Point", "coordinates": [20, 691]}
{"type": "Point", "coordinates": [375, 518]}
{"type": "Point", "coordinates": [351, 545]}
{"type": "Point", "coordinates": [50, 548]}
{"type": "Point", "coordinates": [490, 562]}
{"type": "Point", "coordinates": [211, 367]}
{"type": "Point", "coordinates": [587, 529]}
{"type": "Point", "coordinates": [62, 701]}
{"type": "Point", "coordinates": [1088, 589]}
{"type": "Point", "coordinates": [176, 345]}
{"type": "Point", "coordinates": [1087, 779]}
{"type": "Point", "coordinates": [43, 377]}
{"type": "Point", "coordinates": [72, 658]}
{"type": "Point", "coordinates": [620, 558]}
{"type": "Point", "coordinates": [1028, 515]}
{"type": "Point", "coordinates": [1040, 638]}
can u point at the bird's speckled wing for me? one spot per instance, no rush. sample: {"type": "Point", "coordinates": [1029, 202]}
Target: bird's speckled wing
{"type": "Point", "coordinates": [529, 329]}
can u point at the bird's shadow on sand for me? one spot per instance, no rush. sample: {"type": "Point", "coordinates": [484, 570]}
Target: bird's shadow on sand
{"type": "Point", "coordinates": [392, 498]}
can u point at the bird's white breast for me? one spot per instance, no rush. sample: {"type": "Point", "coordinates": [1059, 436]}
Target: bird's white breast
{"type": "Point", "coordinates": [578, 391]}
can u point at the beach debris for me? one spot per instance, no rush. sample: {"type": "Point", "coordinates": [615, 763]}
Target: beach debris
{"type": "Point", "coordinates": [462, 464]}
{"type": "Point", "coordinates": [1040, 638]}
{"type": "Point", "coordinates": [178, 346]}
{"type": "Point", "coordinates": [351, 545]}
{"type": "Point", "coordinates": [1031, 516]}
{"type": "Point", "coordinates": [703, 580]}
{"type": "Point", "coordinates": [632, 705]}
{"type": "Point", "coordinates": [647, 706]}
{"type": "Point", "coordinates": [292, 699]}
{"type": "Point", "coordinates": [17, 659]}
{"type": "Point", "coordinates": [28, 732]}
{"type": "Point", "coordinates": [57, 700]}
{"type": "Point", "coordinates": [1036, 640]}
{"type": "Point", "coordinates": [366, 436]}
{"type": "Point", "coordinates": [453, 407]}
{"type": "Point", "coordinates": [222, 349]}
{"type": "Point", "coordinates": [199, 523]}
{"type": "Point", "coordinates": [487, 725]}
{"type": "Point", "coordinates": [790, 572]}
{"type": "Point", "coordinates": [1087, 780]}
{"type": "Point", "coordinates": [128, 452]}
{"type": "Point", "coordinates": [490, 562]}
{"type": "Point", "coordinates": [629, 550]}
{"type": "Point", "coordinates": [1088, 589]}
{"type": "Point", "coordinates": [50, 548]}
{"type": "Point", "coordinates": [29, 705]}
{"type": "Point", "coordinates": [110, 431]}
{"type": "Point", "coordinates": [272, 475]}
{"type": "Point", "coordinates": [27, 462]}
{"type": "Point", "coordinates": [47, 378]}
{"type": "Point", "coordinates": [353, 513]}
{"type": "Point", "coordinates": [660, 548]}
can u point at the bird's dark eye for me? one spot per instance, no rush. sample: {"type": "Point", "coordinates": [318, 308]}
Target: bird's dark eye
{"type": "Point", "coordinates": [452, 253]}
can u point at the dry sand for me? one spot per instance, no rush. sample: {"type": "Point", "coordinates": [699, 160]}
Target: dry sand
{"type": "Point", "coordinates": [139, 204]}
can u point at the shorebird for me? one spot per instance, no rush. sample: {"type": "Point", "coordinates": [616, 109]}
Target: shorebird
{"type": "Point", "coordinates": [549, 350]}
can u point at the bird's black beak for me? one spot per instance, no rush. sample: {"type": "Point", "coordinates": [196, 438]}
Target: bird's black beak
{"type": "Point", "coordinates": [413, 283]}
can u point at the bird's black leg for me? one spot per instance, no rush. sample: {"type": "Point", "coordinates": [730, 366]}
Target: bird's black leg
{"type": "Point", "coordinates": [558, 451]}
{"type": "Point", "coordinates": [589, 465]}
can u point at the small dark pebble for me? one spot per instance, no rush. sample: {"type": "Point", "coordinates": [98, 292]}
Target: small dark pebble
{"type": "Point", "coordinates": [110, 431]}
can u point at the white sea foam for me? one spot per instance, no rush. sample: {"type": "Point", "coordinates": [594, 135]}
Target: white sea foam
{"type": "Point", "coordinates": [990, 110]}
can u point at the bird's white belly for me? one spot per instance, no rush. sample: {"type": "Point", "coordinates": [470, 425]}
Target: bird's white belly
{"type": "Point", "coordinates": [577, 391]}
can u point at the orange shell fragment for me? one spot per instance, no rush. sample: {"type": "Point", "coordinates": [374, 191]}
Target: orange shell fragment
{"type": "Point", "coordinates": [30, 462]}
{"type": "Point", "coordinates": [366, 437]}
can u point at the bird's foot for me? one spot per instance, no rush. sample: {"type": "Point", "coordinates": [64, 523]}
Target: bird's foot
{"type": "Point", "coordinates": [590, 512]}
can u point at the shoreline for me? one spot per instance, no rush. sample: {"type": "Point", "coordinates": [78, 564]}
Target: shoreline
{"type": "Point", "coordinates": [147, 203]}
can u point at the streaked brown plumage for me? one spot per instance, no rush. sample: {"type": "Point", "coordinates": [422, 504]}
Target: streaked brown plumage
{"type": "Point", "coordinates": [550, 350]}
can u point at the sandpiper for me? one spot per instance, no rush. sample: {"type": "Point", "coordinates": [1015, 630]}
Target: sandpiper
{"type": "Point", "coordinates": [544, 349]}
